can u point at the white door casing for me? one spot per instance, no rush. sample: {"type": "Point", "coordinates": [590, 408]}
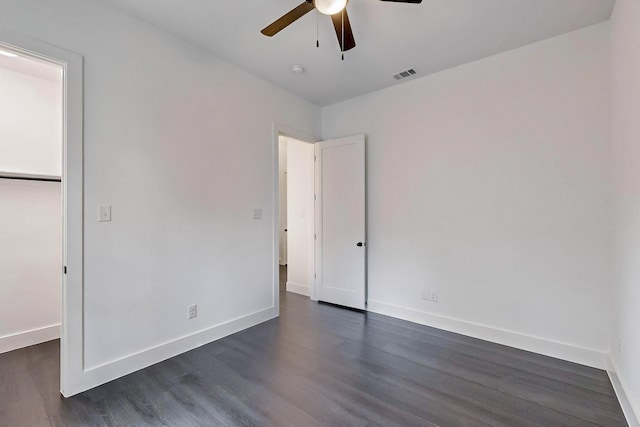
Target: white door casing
{"type": "Point", "coordinates": [340, 222]}
{"type": "Point", "coordinates": [72, 373]}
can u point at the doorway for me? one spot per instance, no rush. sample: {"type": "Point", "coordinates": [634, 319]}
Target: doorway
{"type": "Point", "coordinates": [320, 221]}
{"type": "Point", "coordinates": [31, 151]}
{"type": "Point", "coordinates": [296, 219]}
{"type": "Point", "coordinates": [70, 181]}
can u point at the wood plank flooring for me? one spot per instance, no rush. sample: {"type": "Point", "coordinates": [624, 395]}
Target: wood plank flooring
{"type": "Point", "coordinates": [320, 365]}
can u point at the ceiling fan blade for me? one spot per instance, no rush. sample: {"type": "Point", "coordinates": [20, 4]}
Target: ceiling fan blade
{"type": "Point", "coordinates": [349, 41]}
{"type": "Point", "coordinates": [405, 1]}
{"type": "Point", "coordinates": [287, 19]}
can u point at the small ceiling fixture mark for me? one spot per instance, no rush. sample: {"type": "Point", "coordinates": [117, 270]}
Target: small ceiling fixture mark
{"type": "Point", "coordinates": [404, 74]}
{"type": "Point", "coordinates": [298, 69]}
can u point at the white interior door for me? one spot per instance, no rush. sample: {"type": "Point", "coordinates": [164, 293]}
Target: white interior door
{"type": "Point", "coordinates": [282, 190]}
{"type": "Point", "coordinates": [283, 220]}
{"type": "Point", "coordinates": [340, 221]}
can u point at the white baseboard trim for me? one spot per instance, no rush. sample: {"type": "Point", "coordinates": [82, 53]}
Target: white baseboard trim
{"type": "Point", "coordinates": [27, 338]}
{"type": "Point", "coordinates": [97, 375]}
{"type": "Point", "coordinates": [298, 289]}
{"type": "Point", "coordinates": [576, 354]}
{"type": "Point", "coordinates": [631, 413]}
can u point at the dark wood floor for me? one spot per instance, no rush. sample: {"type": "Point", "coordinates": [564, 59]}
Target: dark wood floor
{"type": "Point", "coordinates": [320, 365]}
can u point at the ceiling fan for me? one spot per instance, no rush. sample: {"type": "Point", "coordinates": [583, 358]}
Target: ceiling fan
{"type": "Point", "coordinates": [334, 8]}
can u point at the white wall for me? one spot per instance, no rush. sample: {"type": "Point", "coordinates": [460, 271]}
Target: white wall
{"type": "Point", "coordinates": [489, 183]}
{"type": "Point", "coordinates": [625, 138]}
{"type": "Point", "coordinates": [300, 213]}
{"type": "Point", "coordinates": [180, 144]}
{"type": "Point", "coordinates": [30, 262]}
{"type": "Point", "coordinates": [30, 211]}
{"type": "Point", "coordinates": [282, 191]}
{"type": "Point", "coordinates": [30, 123]}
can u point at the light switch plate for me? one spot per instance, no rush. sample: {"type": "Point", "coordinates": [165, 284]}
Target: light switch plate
{"type": "Point", "coordinates": [257, 214]}
{"type": "Point", "coordinates": [104, 213]}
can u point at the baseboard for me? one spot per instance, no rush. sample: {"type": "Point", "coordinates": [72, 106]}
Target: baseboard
{"type": "Point", "coordinates": [576, 354]}
{"type": "Point", "coordinates": [631, 413]}
{"type": "Point", "coordinates": [97, 375]}
{"type": "Point", "coordinates": [27, 338]}
{"type": "Point", "coordinates": [298, 289]}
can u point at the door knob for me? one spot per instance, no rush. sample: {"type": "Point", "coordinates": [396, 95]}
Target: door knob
{"type": "Point", "coordinates": [359, 244]}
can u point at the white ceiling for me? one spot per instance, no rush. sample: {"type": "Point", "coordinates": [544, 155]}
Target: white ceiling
{"type": "Point", "coordinates": [390, 37]}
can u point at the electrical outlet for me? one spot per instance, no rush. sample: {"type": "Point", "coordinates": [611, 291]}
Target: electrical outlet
{"type": "Point", "coordinates": [193, 311]}
{"type": "Point", "coordinates": [430, 295]}
{"type": "Point", "coordinates": [434, 296]}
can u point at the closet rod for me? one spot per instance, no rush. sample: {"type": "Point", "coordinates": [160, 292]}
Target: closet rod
{"type": "Point", "coordinates": [32, 178]}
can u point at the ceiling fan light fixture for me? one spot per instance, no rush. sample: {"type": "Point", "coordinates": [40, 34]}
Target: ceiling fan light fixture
{"type": "Point", "coordinates": [330, 7]}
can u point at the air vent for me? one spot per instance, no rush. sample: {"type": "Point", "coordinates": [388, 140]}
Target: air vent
{"type": "Point", "coordinates": [404, 74]}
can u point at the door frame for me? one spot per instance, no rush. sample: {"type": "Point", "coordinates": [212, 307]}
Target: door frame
{"type": "Point", "coordinates": [71, 331]}
{"type": "Point", "coordinates": [278, 131]}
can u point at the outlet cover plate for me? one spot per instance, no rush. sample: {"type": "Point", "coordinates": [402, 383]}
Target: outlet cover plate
{"type": "Point", "coordinates": [193, 311]}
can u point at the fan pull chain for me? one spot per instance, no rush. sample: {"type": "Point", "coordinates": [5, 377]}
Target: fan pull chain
{"type": "Point", "coordinates": [317, 24]}
{"type": "Point", "coordinates": [342, 35]}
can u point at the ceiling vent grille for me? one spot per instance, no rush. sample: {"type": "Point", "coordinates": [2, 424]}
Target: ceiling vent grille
{"type": "Point", "coordinates": [404, 74]}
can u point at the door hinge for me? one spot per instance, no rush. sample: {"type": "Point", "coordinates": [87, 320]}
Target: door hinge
{"type": "Point", "coordinates": [315, 276]}
{"type": "Point", "coordinates": [315, 197]}
{"type": "Point", "coordinates": [314, 158]}
{"type": "Point", "coordinates": [315, 236]}
{"type": "Point", "coordinates": [64, 269]}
